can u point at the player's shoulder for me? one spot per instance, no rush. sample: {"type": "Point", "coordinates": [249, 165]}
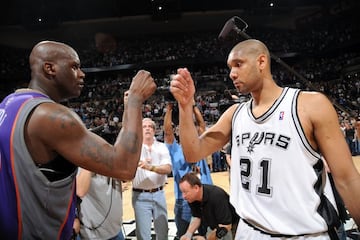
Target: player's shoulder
{"type": "Point", "coordinates": [313, 97]}
{"type": "Point", "coordinates": [315, 105]}
{"type": "Point", "coordinates": [231, 110]}
{"type": "Point", "coordinates": [54, 115]}
{"type": "Point", "coordinates": [52, 107]}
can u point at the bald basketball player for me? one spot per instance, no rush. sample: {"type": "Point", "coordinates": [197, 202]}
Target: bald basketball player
{"type": "Point", "coordinates": [279, 186]}
{"type": "Point", "coordinates": [42, 142]}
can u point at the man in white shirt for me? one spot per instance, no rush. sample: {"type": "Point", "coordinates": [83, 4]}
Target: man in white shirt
{"type": "Point", "coordinates": [148, 196]}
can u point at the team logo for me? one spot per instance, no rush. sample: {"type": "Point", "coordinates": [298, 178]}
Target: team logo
{"type": "Point", "coordinates": [281, 115]}
{"type": "Point", "coordinates": [265, 138]}
{"type": "Point", "coordinates": [256, 139]}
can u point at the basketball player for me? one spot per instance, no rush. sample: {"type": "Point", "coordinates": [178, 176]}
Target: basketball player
{"type": "Point", "coordinates": [42, 142]}
{"type": "Point", "coordinates": [279, 185]}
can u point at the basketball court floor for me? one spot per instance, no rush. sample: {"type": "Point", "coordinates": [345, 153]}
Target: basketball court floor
{"type": "Point", "coordinates": [220, 179]}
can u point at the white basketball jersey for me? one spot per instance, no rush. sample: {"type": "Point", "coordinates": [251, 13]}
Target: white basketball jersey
{"type": "Point", "coordinates": [278, 181]}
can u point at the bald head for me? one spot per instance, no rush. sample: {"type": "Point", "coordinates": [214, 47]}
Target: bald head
{"type": "Point", "coordinates": [49, 51]}
{"type": "Point", "coordinates": [55, 70]}
{"type": "Point", "coordinates": [252, 47]}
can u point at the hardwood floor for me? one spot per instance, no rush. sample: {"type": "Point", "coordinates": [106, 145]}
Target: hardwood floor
{"type": "Point", "coordinates": [220, 178]}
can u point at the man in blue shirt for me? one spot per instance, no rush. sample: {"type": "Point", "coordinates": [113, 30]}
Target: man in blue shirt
{"type": "Point", "coordinates": [180, 167]}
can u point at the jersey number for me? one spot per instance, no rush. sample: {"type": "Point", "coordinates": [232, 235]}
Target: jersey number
{"type": "Point", "coordinates": [246, 171]}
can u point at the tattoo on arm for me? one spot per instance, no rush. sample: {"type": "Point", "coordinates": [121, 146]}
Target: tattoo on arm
{"type": "Point", "coordinates": [63, 117]}
{"type": "Point", "coordinates": [130, 141]}
{"type": "Point", "coordinates": [93, 151]}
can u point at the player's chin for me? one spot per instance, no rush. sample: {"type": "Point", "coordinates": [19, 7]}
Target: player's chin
{"type": "Point", "coordinates": [74, 94]}
{"type": "Point", "coordinates": [77, 91]}
{"type": "Point", "coordinates": [242, 90]}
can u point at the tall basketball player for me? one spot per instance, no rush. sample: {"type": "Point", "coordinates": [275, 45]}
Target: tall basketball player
{"type": "Point", "coordinates": [279, 185]}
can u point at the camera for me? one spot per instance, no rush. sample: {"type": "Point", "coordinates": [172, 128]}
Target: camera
{"type": "Point", "coordinates": [165, 92]}
{"type": "Point", "coordinates": [221, 232]}
{"type": "Point", "coordinates": [164, 89]}
{"type": "Point", "coordinates": [169, 98]}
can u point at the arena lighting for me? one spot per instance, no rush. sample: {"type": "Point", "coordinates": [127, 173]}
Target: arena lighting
{"type": "Point", "coordinates": [165, 10]}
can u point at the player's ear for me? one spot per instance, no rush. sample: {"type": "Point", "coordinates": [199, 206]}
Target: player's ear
{"type": "Point", "coordinates": [262, 61]}
{"type": "Point", "coordinates": [49, 68]}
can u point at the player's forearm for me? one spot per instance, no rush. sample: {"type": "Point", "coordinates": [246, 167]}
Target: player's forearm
{"type": "Point", "coordinates": [199, 119]}
{"type": "Point", "coordinates": [129, 141]}
{"type": "Point", "coordinates": [189, 137]}
{"type": "Point", "coordinates": [350, 193]}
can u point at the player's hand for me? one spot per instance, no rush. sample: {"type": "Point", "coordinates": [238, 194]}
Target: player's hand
{"type": "Point", "coordinates": [142, 86]}
{"type": "Point", "coordinates": [182, 87]}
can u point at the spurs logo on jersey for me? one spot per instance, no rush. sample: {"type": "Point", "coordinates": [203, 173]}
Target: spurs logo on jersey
{"type": "Point", "coordinates": [267, 138]}
{"type": "Point", "coordinates": [274, 168]}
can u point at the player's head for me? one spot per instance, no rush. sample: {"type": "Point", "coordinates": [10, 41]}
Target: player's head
{"type": "Point", "coordinates": [249, 62]}
{"type": "Point", "coordinates": [55, 69]}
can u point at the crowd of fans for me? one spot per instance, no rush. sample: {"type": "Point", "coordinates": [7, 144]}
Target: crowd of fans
{"type": "Point", "coordinates": [325, 55]}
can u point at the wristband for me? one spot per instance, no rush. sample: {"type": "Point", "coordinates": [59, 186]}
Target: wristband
{"type": "Point", "coordinates": [188, 235]}
{"type": "Point", "coordinates": [152, 168]}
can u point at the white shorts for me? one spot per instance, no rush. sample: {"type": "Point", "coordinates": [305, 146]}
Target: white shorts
{"type": "Point", "coordinates": [245, 232]}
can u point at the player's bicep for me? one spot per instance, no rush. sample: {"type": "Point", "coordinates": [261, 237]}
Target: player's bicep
{"type": "Point", "coordinates": [62, 131]}
{"type": "Point", "coordinates": [325, 122]}
{"type": "Point", "coordinates": [327, 133]}
{"type": "Point", "coordinates": [219, 134]}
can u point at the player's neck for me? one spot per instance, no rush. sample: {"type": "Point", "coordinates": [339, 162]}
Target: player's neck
{"type": "Point", "coordinates": [263, 102]}
{"type": "Point", "coordinates": [266, 96]}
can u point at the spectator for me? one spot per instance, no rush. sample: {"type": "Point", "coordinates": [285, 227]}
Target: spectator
{"type": "Point", "coordinates": [179, 168]}
{"type": "Point", "coordinates": [148, 196]}
{"type": "Point", "coordinates": [205, 208]}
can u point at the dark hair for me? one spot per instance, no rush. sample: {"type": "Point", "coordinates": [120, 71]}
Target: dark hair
{"type": "Point", "coordinates": [191, 178]}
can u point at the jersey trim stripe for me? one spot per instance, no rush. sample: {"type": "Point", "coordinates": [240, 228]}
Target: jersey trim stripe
{"type": "Point", "coordinates": [66, 218]}
{"type": "Point", "coordinates": [12, 154]}
{"type": "Point", "coordinates": [269, 112]}
{"type": "Point", "coordinates": [325, 208]}
{"type": "Point", "coordinates": [300, 129]}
